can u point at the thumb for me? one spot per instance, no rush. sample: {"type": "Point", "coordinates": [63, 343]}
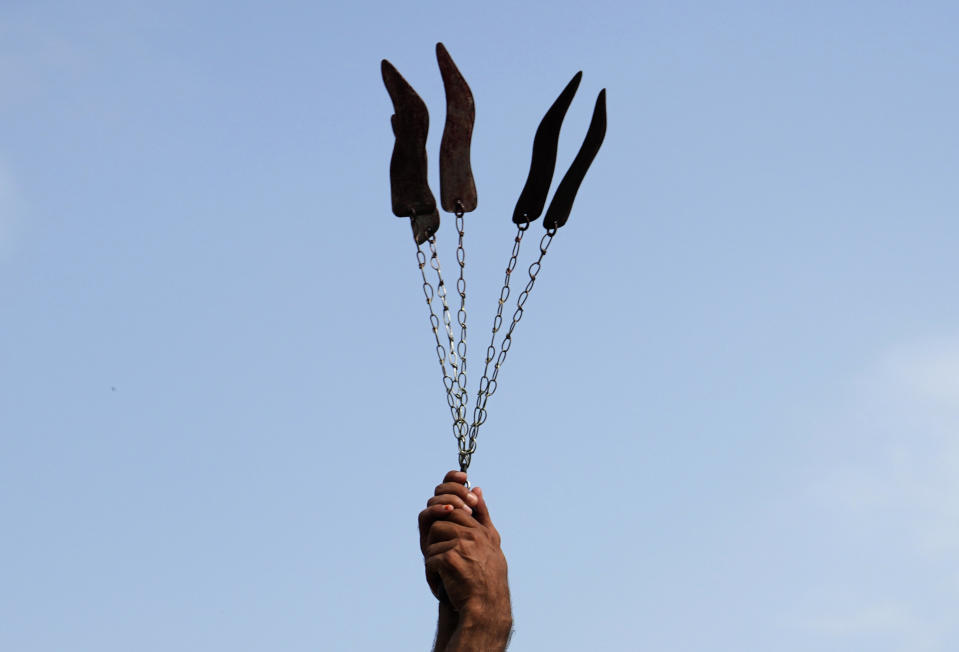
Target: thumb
{"type": "Point", "coordinates": [480, 509]}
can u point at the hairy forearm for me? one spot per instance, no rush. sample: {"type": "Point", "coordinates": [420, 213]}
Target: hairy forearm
{"type": "Point", "coordinates": [465, 569]}
{"type": "Point", "coordinates": [482, 630]}
{"type": "Point", "coordinates": [446, 624]}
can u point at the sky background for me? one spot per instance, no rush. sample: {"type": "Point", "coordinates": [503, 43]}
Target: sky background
{"type": "Point", "coordinates": [730, 416]}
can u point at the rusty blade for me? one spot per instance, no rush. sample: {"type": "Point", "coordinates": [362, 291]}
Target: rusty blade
{"type": "Point", "coordinates": [562, 203]}
{"type": "Point", "coordinates": [408, 181]}
{"type": "Point", "coordinates": [456, 175]}
{"type": "Point", "coordinates": [533, 198]}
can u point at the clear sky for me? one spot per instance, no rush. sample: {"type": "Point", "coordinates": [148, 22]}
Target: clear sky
{"type": "Point", "coordinates": [730, 416]}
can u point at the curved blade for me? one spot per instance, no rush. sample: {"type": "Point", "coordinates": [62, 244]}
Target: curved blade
{"type": "Point", "coordinates": [456, 176]}
{"type": "Point", "coordinates": [408, 182]}
{"type": "Point", "coordinates": [562, 203]}
{"type": "Point", "coordinates": [533, 198]}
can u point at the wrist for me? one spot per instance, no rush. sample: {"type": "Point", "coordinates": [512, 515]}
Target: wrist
{"type": "Point", "coordinates": [448, 618]}
{"type": "Point", "coordinates": [446, 624]}
{"type": "Point", "coordinates": [481, 634]}
{"type": "Point", "coordinates": [494, 616]}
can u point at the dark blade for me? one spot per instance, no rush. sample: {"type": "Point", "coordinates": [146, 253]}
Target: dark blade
{"type": "Point", "coordinates": [533, 198]}
{"type": "Point", "coordinates": [411, 121]}
{"type": "Point", "coordinates": [562, 203]}
{"type": "Point", "coordinates": [456, 176]}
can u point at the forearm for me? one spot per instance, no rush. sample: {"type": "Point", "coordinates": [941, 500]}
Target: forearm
{"type": "Point", "coordinates": [465, 569]}
{"type": "Point", "coordinates": [482, 630]}
{"type": "Point", "coordinates": [446, 624]}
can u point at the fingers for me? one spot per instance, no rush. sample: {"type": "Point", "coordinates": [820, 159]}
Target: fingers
{"type": "Point", "coordinates": [439, 547]}
{"type": "Point", "coordinates": [429, 516]}
{"type": "Point", "coordinates": [449, 495]}
{"type": "Point", "coordinates": [480, 510]}
{"type": "Point", "coordinates": [453, 491]}
{"type": "Point", "coordinates": [451, 487]}
{"type": "Point", "coordinates": [455, 476]}
{"type": "Point", "coordinates": [433, 513]}
{"type": "Point", "coordinates": [441, 525]}
{"type": "Point", "coordinates": [450, 526]}
{"type": "Point", "coordinates": [440, 514]}
{"type": "Point", "coordinates": [454, 482]}
{"type": "Point", "coordinates": [449, 499]}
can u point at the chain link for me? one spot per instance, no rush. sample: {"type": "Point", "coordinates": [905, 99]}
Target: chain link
{"type": "Point", "coordinates": [488, 384]}
{"type": "Point", "coordinates": [460, 426]}
{"type": "Point", "coordinates": [454, 381]}
{"type": "Point", "coordinates": [454, 352]}
{"type": "Point", "coordinates": [441, 353]}
{"type": "Point", "coordinates": [447, 318]}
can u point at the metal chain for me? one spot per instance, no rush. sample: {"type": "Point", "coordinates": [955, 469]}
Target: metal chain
{"type": "Point", "coordinates": [441, 293]}
{"type": "Point", "coordinates": [456, 384]}
{"type": "Point", "coordinates": [455, 351]}
{"type": "Point", "coordinates": [429, 293]}
{"type": "Point", "coordinates": [460, 426]}
{"type": "Point", "coordinates": [479, 410]}
{"type": "Point", "coordinates": [487, 385]}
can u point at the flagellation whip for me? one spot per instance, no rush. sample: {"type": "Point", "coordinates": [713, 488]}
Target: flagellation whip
{"type": "Point", "coordinates": [412, 198]}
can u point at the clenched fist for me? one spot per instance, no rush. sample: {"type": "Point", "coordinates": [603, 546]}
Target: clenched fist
{"type": "Point", "coordinates": [465, 568]}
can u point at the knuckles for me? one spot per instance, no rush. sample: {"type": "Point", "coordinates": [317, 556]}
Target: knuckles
{"type": "Point", "coordinates": [457, 551]}
{"type": "Point", "coordinates": [452, 488]}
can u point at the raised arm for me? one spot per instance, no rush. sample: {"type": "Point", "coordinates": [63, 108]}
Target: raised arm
{"type": "Point", "coordinates": [465, 569]}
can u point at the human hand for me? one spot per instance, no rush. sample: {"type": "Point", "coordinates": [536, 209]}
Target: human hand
{"type": "Point", "coordinates": [447, 496]}
{"type": "Point", "coordinates": [465, 567]}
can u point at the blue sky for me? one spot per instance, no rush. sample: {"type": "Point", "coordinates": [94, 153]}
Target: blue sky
{"type": "Point", "coordinates": [730, 416]}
